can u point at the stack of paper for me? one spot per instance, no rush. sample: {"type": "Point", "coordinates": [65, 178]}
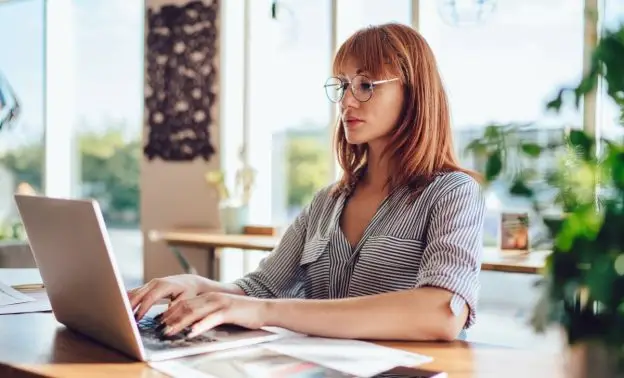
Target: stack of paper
{"type": "Point", "coordinates": [10, 296]}
{"type": "Point", "coordinates": [15, 302]}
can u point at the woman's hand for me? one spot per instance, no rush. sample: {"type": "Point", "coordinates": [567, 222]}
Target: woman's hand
{"type": "Point", "coordinates": [175, 288]}
{"type": "Point", "coordinates": [209, 310]}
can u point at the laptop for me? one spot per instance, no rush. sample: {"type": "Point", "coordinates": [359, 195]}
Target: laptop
{"type": "Point", "coordinates": [71, 247]}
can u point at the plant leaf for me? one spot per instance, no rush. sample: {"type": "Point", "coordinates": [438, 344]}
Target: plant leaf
{"type": "Point", "coordinates": [531, 149]}
{"type": "Point", "coordinates": [520, 188]}
{"type": "Point", "coordinates": [581, 142]}
{"type": "Point", "coordinates": [494, 165]}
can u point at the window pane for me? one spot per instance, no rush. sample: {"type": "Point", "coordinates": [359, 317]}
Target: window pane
{"type": "Point", "coordinates": [609, 114]}
{"type": "Point", "coordinates": [21, 85]}
{"type": "Point", "coordinates": [504, 69]}
{"type": "Point", "coordinates": [355, 14]}
{"type": "Point", "coordinates": [289, 114]}
{"type": "Point", "coordinates": [109, 103]}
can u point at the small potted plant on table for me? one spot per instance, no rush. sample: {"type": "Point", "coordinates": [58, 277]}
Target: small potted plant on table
{"type": "Point", "coordinates": [233, 205]}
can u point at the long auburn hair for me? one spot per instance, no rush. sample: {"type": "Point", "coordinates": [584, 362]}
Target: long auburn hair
{"type": "Point", "coordinates": [421, 146]}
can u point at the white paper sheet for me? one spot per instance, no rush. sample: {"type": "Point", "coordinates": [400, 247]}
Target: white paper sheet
{"type": "Point", "coordinates": [39, 303]}
{"type": "Point", "coordinates": [10, 296]}
{"type": "Point", "coordinates": [295, 357]}
{"type": "Point", "coordinates": [359, 358]}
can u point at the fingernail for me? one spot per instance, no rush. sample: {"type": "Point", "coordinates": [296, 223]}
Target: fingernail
{"type": "Point", "coordinates": [168, 330]}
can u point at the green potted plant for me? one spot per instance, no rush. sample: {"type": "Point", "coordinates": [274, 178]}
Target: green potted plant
{"type": "Point", "coordinates": [12, 231]}
{"type": "Point", "coordinates": [233, 205]}
{"type": "Point", "coordinates": [583, 280]}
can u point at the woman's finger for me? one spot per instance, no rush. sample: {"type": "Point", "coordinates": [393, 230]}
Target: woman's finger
{"type": "Point", "coordinates": [185, 306]}
{"type": "Point", "coordinates": [179, 307]}
{"type": "Point", "coordinates": [181, 297]}
{"type": "Point", "coordinates": [135, 295]}
{"type": "Point", "coordinates": [187, 312]}
{"type": "Point", "coordinates": [183, 322]}
{"type": "Point", "coordinates": [207, 323]}
{"type": "Point", "coordinates": [176, 311]}
{"type": "Point", "coordinates": [151, 297]}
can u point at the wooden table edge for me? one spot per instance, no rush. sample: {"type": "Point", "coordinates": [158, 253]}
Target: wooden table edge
{"type": "Point", "coordinates": [234, 245]}
{"type": "Point", "coordinates": [502, 262]}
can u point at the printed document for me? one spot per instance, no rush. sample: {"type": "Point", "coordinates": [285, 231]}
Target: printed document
{"type": "Point", "coordinates": [358, 358]}
{"type": "Point", "coordinates": [246, 362]}
{"type": "Point", "coordinates": [296, 357]}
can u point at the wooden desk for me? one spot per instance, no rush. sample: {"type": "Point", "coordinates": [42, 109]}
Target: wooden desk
{"type": "Point", "coordinates": [211, 241]}
{"type": "Point", "coordinates": [36, 344]}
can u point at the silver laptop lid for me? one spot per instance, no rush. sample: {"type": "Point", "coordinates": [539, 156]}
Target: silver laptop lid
{"type": "Point", "coordinates": [72, 250]}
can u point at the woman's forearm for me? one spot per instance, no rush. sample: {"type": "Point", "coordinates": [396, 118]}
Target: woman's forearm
{"type": "Point", "coordinates": [210, 286]}
{"type": "Point", "coordinates": [419, 314]}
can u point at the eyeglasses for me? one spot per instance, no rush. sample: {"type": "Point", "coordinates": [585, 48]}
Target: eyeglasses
{"type": "Point", "coordinates": [361, 86]}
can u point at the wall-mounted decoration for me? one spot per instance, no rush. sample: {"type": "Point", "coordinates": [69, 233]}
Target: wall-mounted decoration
{"type": "Point", "coordinates": [181, 80]}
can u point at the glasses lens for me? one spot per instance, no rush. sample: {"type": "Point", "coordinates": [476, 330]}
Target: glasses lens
{"type": "Point", "coordinates": [334, 88]}
{"type": "Point", "coordinates": [362, 88]}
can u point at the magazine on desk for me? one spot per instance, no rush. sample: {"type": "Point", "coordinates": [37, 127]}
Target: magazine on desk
{"type": "Point", "coordinates": [288, 359]}
{"type": "Point", "coordinates": [252, 361]}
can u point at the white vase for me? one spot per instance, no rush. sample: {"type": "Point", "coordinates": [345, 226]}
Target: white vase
{"type": "Point", "coordinates": [233, 218]}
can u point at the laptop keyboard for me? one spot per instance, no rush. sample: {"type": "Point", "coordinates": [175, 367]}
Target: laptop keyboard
{"type": "Point", "coordinates": [153, 338]}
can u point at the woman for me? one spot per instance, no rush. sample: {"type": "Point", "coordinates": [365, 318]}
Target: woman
{"type": "Point", "coordinates": [392, 250]}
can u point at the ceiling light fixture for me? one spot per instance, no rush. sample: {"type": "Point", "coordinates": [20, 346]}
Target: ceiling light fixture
{"type": "Point", "coordinates": [461, 13]}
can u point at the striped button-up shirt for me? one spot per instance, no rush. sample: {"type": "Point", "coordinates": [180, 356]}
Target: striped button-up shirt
{"type": "Point", "coordinates": [435, 240]}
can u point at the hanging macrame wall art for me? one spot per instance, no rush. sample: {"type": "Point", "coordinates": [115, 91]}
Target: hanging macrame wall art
{"type": "Point", "coordinates": [181, 80]}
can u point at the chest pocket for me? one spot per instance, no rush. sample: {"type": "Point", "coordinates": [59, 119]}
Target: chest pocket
{"type": "Point", "coordinates": [387, 263]}
{"type": "Point", "coordinates": [314, 268]}
{"type": "Point", "coordinates": [313, 250]}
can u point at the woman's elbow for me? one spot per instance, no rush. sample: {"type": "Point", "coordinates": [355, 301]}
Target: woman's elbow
{"type": "Point", "coordinates": [452, 325]}
{"type": "Point", "coordinates": [447, 326]}
{"type": "Point", "coordinates": [449, 331]}
{"type": "Point", "coordinates": [440, 330]}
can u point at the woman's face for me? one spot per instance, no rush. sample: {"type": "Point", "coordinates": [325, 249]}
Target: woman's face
{"type": "Point", "coordinates": [371, 115]}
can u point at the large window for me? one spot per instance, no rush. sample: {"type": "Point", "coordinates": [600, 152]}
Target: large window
{"type": "Point", "coordinates": [22, 98]}
{"type": "Point", "coordinates": [108, 65]}
{"type": "Point", "coordinates": [290, 120]}
{"type": "Point", "coordinates": [289, 116]}
{"type": "Point", "coordinates": [610, 116]}
{"type": "Point", "coordinates": [506, 68]}
{"type": "Point", "coordinates": [355, 14]}
{"type": "Point", "coordinates": [503, 69]}
{"type": "Point", "coordinates": [499, 63]}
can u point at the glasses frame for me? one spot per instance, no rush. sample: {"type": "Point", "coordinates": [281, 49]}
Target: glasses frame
{"type": "Point", "coordinates": [348, 84]}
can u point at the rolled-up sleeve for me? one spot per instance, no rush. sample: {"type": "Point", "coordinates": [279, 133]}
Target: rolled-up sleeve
{"type": "Point", "coordinates": [452, 257]}
{"type": "Point", "coordinates": [278, 275]}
